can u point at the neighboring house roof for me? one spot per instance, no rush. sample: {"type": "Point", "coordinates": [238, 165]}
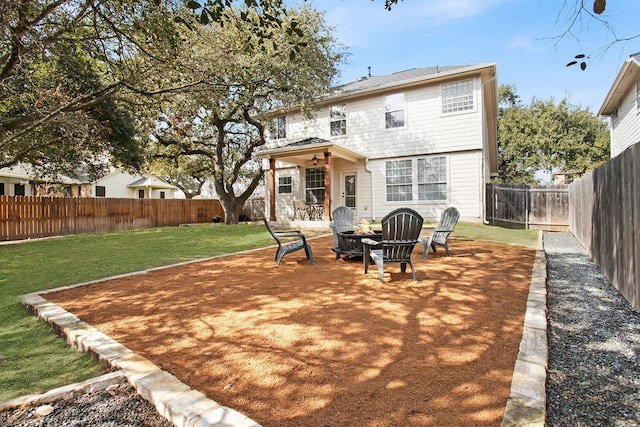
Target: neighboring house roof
{"type": "Point", "coordinates": [26, 172]}
{"type": "Point", "coordinates": [624, 82]}
{"type": "Point", "coordinates": [152, 182]}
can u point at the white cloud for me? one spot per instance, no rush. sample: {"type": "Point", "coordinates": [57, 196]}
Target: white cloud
{"type": "Point", "coordinates": [524, 43]}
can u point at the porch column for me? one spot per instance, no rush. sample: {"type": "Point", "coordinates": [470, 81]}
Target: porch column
{"type": "Point", "coordinates": [272, 189]}
{"type": "Point", "coordinates": [327, 186]}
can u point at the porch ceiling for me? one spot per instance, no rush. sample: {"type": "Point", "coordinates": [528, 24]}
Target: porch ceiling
{"type": "Point", "coordinates": [301, 152]}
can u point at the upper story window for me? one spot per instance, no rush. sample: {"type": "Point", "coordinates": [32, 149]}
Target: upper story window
{"type": "Point", "coordinates": [338, 119]}
{"type": "Point", "coordinates": [399, 177]}
{"type": "Point", "coordinates": [457, 96]}
{"type": "Point", "coordinates": [432, 178]}
{"type": "Point", "coordinates": [284, 185]}
{"type": "Point", "coordinates": [280, 131]}
{"type": "Point", "coordinates": [394, 111]}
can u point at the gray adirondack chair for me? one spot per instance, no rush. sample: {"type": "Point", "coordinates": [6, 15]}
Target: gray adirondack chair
{"type": "Point", "coordinates": [448, 221]}
{"type": "Point", "coordinates": [342, 221]}
{"type": "Point", "coordinates": [285, 246]}
{"type": "Point", "coordinates": [400, 231]}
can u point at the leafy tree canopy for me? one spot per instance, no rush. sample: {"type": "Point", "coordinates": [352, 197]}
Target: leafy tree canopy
{"type": "Point", "coordinates": [211, 130]}
{"type": "Point", "coordinates": [547, 136]}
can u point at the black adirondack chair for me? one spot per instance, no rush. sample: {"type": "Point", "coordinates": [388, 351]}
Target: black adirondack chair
{"type": "Point", "coordinates": [400, 231]}
{"type": "Point", "coordinates": [448, 221]}
{"type": "Point", "coordinates": [342, 221]}
{"type": "Point", "coordinates": [286, 245]}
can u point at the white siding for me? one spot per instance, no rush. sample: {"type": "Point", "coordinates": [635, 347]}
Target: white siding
{"type": "Point", "coordinates": [458, 136]}
{"type": "Point", "coordinates": [625, 129]}
{"type": "Point", "coordinates": [465, 188]}
{"type": "Point", "coordinates": [426, 129]}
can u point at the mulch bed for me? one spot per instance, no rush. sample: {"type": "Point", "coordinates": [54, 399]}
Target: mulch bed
{"type": "Point", "coordinates": [327, 345]}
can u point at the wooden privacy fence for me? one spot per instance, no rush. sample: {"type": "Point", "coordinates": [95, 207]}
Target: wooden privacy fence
{"type": "Point", "coordinates": [534, 207]}
{"type": "Point", "coordinates": [30, 217]}
{"type": "Point", "coordinates": [605, 218]}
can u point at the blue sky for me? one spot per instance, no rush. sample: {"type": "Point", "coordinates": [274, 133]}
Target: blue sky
{"type": "Point", "coordinates": [519, 35]}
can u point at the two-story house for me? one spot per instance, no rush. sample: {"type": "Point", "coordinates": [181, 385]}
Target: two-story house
{"type": "Point", "coordinates": [423, 138]}
{"type": "Point", "coordinates": [622, 106]}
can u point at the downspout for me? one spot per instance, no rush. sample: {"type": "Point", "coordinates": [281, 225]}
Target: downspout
{"type": "Point", "coordinates": [373, 194]}
{"type": "Point", "coordinates": [483, 186]}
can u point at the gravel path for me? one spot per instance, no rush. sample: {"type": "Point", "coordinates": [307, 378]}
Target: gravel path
{"type": "Point", "coordinates": [594, 342]}
{"type": "Point", "coordinates": [119, 407]}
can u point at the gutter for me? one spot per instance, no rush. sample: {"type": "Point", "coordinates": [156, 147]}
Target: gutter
{"type": "Point", "coordinates": [373, 194]}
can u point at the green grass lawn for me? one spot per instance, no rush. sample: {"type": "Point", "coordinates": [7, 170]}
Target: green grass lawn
{"type": "Point", "coordinates": [33, 359]}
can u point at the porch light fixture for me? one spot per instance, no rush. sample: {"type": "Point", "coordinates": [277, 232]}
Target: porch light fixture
{"type": "Point", "coordinates": [314, 160]}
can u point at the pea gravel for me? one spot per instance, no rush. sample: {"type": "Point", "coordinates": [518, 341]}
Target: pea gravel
{"type": "Point", "coordinates": [594, 341]}
{"type": "Point", "coordinates": [123, 407]}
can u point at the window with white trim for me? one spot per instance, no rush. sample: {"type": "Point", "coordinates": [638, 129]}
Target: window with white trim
{"type": "Point", "coordinates": [394, 111]}
{"type": "Point", "coordinates": [457, 96]}
{"type": "Point", "coordinates": [284, 185]}
{"type": "Point", "coordinates": [338, 119]}
{"type": "Point", "coordinates": [399, 180]}
{"type": "Point", "coordinates": [432, 178]}
{"type": "Point", "coordinates": [280, 128]}
{"type": "Point", "coordinates": [314, 185]}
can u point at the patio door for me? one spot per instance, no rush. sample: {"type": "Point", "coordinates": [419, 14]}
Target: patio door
{"type": "Point", "coordinates": [349, 190]}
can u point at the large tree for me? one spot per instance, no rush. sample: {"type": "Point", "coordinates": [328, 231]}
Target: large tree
{"type": "Point", "coordinates": [71, 74]}
{"type": "Point", "coordinates": [548, 136]}
{"type": "Point", "coordinates": [64, 72]}
{"type": "Point", "coordinates": [219, 123]}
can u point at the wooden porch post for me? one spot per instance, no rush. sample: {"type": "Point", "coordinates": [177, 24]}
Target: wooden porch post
{"type": "Point", "coordinates": [327, 186]}
{"type": "Point", "coordinates": [272, 189]}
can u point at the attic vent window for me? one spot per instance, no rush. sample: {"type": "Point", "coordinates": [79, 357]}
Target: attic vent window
{"type": "Point", "coordinates": [457, 96]}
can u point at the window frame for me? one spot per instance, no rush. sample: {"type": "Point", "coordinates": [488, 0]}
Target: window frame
{"type": "Point", "coordinates": [341, 111]}
{"type": "Point", "coordinates": [314, 176]}
{"type": "Point", "coordinates": [415, 180]}
{"type": "Point", "coordinates": [458, 97]}
{"type": "Point", "coordinates": [398, 165]}
{"type": "Point", "coordinates": [280, 127]}
{"type": "Point", "coordinates": [284, 186]}
{"type": "Point", "coordinates": [442, 179]}
{"type": "Point", "coordinates": [101, 191]}
{"type": "Point", "coordinates": [390, 108]}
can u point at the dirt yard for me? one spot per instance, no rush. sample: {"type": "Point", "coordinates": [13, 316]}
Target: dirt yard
{"type": "Point", "coordinates": [326, 345]}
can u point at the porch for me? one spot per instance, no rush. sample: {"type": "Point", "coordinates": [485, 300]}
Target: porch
{"type": "Point", "coordinates": [315, 160]}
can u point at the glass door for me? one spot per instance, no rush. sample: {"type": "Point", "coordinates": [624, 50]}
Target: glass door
{"type": "Point", "coordinates": [349, 190]}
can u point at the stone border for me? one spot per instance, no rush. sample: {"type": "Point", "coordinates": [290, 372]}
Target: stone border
{"type": "Point", "coordinates": [89, 386]}
{"type": "Point", "coordinates": [173, 399]}
{"type": "Point", "coordinates": [527, 401]}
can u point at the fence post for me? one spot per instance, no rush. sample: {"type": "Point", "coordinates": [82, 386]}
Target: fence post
{"type": "Point", "coordinates": [527, 194]}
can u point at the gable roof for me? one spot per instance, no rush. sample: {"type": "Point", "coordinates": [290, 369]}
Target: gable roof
{"type": "Point", "coordinates": [624, 82]}
{"type": "Point", "coordinates": [405, 79]}
{"type": "Point", "coordinates": [151, 181]}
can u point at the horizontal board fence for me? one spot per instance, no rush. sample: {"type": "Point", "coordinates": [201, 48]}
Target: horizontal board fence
{"type": "Point", "coordinates": [605, 218]}
{"type": "Point", "coordinates": [534, 207]}
{"type": "Point", "coordinates": [24, 217]}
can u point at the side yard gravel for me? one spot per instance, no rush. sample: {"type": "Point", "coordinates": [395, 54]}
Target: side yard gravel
{"type": "Point", "coordinates": [594, 342]}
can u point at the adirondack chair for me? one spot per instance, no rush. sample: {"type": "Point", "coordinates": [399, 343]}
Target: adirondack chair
{"type": "Point", "coordinates": [448, 221]}
{"type": "Point", "coordinates": [342, 221]}
{"type": "Point", "coordinates": [285, 246]}
{"type": "Point", "coordinates": [400, 231]}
